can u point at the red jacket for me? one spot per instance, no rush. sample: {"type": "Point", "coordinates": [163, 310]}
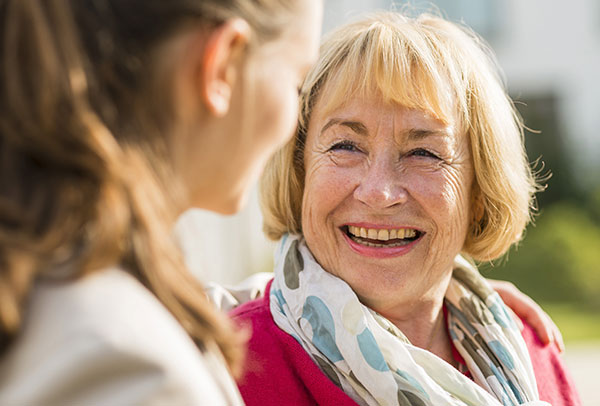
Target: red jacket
{"type": "Point", "coordinates": [279, 370]}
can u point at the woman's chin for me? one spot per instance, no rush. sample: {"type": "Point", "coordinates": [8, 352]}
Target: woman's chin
{"type": "Point", "coordinates": [233, 205]}
{"type": "Point", "coordinates": [226, 205]}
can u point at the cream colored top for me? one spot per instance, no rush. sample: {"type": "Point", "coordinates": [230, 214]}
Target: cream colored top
{"type": "Point", "coordinates": [106, 340]}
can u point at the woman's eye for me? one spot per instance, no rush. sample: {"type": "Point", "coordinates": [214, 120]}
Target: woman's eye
{"type": "Point", "coordinates": [344, 146]}
{"type": "Point", "coordinates": [420, 152]}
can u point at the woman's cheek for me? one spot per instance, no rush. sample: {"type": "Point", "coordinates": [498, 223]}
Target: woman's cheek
{"type": "Point", "coordinates": [458, 186]}
{"type": "Point", "coordinates": [277, 106]}
{"type": "Point", "coordinates": [316, 180]}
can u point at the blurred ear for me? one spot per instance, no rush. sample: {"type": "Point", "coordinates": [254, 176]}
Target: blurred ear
{"type": "Point", "coordinates": [221, 64]}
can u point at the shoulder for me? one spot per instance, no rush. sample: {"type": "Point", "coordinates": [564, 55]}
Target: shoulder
{"type": "Point", "coordinates": [555, 384]}
{"type": "Point", "coordinates": [265, 336]}
{"type": "Point", "coordinates": [277, 366]}
{"type": "Point", "coordinates": [270, 371]}
{"type": "Point", "coordinates": [267, 343]}
{"type": "Point", "coordinates": [104, 339]}
{"type": "Point", "coordinates": [254, 312]}
{"type": "Point", "coordinates": [109, 306]}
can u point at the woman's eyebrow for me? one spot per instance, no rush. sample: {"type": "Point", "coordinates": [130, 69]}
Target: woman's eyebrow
{"type": "Point", "coordinates": [355, 126]}
{"type": "Point", "coordinates": [415, 134]}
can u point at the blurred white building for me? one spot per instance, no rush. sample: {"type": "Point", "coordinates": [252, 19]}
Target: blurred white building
{"type": "Point", "coordinates": [550, 53]}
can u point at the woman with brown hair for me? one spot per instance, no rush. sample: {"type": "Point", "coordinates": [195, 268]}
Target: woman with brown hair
{"type": "Point", "coordinates": [116, 116]}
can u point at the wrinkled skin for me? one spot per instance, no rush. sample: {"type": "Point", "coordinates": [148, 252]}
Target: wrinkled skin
{"type": "Point", "coordinates": [389, 167]}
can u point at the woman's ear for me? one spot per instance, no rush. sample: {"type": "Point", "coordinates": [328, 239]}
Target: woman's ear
{"type": "Point", "coordinates": [220, 64]}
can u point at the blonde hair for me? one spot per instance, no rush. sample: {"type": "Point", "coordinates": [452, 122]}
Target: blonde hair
{"type": "Point", "coordinates": [424, 63]}
{"type": "Point", "coordinates": [85, 176]}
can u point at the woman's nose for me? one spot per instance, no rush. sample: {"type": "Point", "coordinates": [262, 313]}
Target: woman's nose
{"type": "Point", "coordinates": [381, 187]}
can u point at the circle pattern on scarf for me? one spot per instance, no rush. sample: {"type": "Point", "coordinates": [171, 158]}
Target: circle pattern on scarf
{"type": "Point", "coordinates": [323, 328]}
{"type": "Point", "coordinates": [352, 317]}
{"type": "Point", "coordinates": [294, 264]}
{"type": "Point", "coordinates": [370, 351]}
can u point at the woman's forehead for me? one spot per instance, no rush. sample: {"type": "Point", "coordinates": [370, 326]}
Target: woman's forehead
{"type": "Point", "coordinates": [372, 108]}
{"type": "Point", "coordinates": [341, 95]}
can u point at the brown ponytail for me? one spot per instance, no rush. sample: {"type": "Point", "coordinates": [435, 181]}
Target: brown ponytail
{"type": "Point", "coordinates": [84, 174]}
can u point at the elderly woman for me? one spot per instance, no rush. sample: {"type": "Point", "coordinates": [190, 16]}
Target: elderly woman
{"type": "Point", "coordinates": [408, 165]}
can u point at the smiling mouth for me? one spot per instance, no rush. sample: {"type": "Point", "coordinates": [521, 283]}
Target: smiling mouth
{"type": "Point", "coordinates": [383, 238]}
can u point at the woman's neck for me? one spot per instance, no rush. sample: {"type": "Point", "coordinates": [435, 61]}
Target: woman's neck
{"type": "Point", "coordinates": [422, 321]}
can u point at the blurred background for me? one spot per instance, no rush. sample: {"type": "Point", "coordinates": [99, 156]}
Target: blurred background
{"type": "Point", "coordinates": [549, 51]}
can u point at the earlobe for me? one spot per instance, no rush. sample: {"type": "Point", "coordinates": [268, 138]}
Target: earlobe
{"type": "Point", "coordinates": [221, 62]}
{"type": "Point", "coordinates": [217, 98]}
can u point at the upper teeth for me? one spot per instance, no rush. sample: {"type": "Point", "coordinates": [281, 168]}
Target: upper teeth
{"type": "Point", "coordinates": [382, 234]}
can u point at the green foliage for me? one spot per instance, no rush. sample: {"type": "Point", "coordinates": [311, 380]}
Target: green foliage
{"type": "Point", "coordinates": [559, 259]}
{"type": "Point", "coordinates": [575, 323]}
{"type": "Point", "coordinates": [593, 204]}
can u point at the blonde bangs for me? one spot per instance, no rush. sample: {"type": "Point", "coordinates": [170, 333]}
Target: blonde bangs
{"type": "Point", "coordinates": [389, 57]}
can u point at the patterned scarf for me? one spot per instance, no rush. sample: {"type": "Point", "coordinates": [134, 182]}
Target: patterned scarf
{"type": "Point", "coordinates": [372, 360]}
